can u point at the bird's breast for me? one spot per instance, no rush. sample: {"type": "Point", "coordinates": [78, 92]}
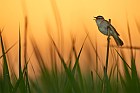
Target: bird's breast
{"type": "Point", "coordinates": [103, 30]}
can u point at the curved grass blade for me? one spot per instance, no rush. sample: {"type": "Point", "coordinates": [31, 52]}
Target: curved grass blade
{"type": "Point", "coordinates": [67, 70]}
{"type": "Point", "coordinates": [20, 82]}
{"type": "Point", "coordinates": [135, 78]}
{"type": "Point", "coordinates": [123, 59]}
{"type": "Point", "coordinates": [7, 85]}
{"type": "Point", "coordinates": [78, 67]}
{"type": "Point", "coordinates": [8, 49]}
{"type": "Point", "coordinates": [77, 59]}
{"type": "Point", "coordinates": [107, 85]}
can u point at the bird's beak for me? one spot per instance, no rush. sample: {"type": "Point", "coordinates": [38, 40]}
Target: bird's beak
{"type": "Point", "coordinates": [94, 18]}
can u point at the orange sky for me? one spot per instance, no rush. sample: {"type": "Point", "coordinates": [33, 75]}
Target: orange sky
{"type": "Point", "coordinates": [72, 16]}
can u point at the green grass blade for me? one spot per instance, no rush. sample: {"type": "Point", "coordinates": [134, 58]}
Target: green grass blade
{"type": "Point", "coordinates": [17, 85]}
{"type": "Point", "coordinates": [127, 76]}
{"type": "Point", "coordinates": [20, 83]}
{"type": "Point", "coordinates": [8, 49]}
{"type": "Point", "coordinates": [126, 66]}
{"type": "Point", "coordinates": [78, 67]}
{"type": "Point", "coordinates": [135, 78]}
{"type": "Point", "coordinates": [77, 59]}
{"type": "Point", "coordinates": [107, 86]}
{"type": "Point", "coordinates": [122, 81]}
{"type": "Point", "coordinates": [67, 70]}
{"type": "Point", "coordinates": [123, 59]}
{"type": "Point", "coordinates": [38, 55]}
{"type": "Point", "coordinates": [130, 40]}
{"type": "Point", "coordinates": [7, 86]}
{"type": "Point", "coordinates": [20, 68]}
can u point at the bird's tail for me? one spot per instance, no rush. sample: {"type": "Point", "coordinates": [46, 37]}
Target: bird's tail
{"type": "Point", "coordinates": [118, 41]}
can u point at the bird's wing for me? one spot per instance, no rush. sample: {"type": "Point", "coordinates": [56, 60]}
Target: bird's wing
{"type": "Point", "coordinates": [111, 27]}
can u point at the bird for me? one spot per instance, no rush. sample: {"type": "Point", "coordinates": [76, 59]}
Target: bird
{"type": "Point", "coordinates": [104, 26]}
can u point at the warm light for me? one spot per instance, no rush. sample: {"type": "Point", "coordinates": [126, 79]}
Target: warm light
{"type": "Point", "coordinates": [70, 16]}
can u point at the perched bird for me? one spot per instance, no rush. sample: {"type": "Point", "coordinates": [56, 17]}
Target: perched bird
{"type": "Point", "coordinates": [104, 26]}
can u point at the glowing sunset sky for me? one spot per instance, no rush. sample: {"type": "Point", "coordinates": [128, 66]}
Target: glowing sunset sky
{"type": "Point", "coordinates": [72, 15]}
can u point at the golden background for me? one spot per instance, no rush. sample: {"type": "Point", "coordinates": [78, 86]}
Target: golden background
{"type": "Point", "coordinates": [68, 18]}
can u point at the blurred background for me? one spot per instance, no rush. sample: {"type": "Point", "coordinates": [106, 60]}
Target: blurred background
{"type": "Point", "coordinates": [67, 19]}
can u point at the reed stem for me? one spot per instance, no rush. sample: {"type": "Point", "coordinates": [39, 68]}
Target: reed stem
{"type": "Point", "coordinates": [108, 43]}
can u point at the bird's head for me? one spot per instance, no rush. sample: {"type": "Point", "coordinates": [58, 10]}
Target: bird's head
{"type": "Point", "coordinates": [99, 18]}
